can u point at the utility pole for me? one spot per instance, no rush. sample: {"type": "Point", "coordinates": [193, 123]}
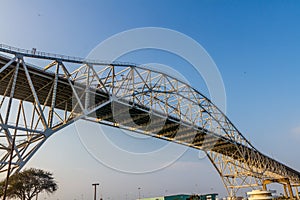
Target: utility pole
{"type": "Point", "coordinates": [139, 193]}
{"type": "Point", "coordinates": [95, 189]}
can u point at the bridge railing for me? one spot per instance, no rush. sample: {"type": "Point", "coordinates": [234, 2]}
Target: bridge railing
{"type": "Point", "coordinates": [40, 54]}
{"type": "Point", "coordinates": [34, 52]}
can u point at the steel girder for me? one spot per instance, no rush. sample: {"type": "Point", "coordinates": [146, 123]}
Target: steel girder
{"type": "Point", "coordinates": [38, 102]}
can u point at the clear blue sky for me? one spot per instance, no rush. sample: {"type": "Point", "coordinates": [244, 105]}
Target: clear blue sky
{"type": "Point", "coordinates": [255, 45]}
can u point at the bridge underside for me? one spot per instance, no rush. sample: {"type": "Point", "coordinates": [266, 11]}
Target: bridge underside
{"type": "Point", "coordinates": [38, 102]}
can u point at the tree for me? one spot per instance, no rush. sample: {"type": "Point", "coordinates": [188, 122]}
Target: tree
{"type": "Point", "coordinates": [194, 197]}
{"type": "Point", "coordinates": [29, 183]}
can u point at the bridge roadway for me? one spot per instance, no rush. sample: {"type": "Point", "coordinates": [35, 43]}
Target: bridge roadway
{"type": "Point", "coordinates": [173, 129]}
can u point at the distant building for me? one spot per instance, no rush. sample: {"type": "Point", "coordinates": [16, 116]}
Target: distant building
{"type": "Point", "coordinates": [177, 197]}
{"type": "Point", "coordinates": [185, 197]}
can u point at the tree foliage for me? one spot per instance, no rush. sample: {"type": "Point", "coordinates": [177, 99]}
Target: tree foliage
{"type": "Point", "coordinates": [27, 184]}
{"type": "Point", "coordinates": [194, 197]}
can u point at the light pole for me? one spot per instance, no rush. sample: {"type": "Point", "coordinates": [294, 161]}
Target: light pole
{"type": "Point", "coordinates": [139, 193]}
{"type": "Point", "coordinates": [95, 189]}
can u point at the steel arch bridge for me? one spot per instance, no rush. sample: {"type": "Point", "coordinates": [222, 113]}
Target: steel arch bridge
{"type": "Point", "coordinates": [37, 102]}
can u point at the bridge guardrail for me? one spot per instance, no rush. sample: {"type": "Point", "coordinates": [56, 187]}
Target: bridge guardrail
{"type": "Point", "coordinates": [34, 52]}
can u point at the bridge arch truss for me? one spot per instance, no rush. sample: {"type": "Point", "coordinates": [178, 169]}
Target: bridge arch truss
{"type": "Point", "coordinates": [37, 102]}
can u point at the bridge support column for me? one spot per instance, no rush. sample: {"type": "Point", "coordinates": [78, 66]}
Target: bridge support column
{"type": "Point", "coordinates": [288, 191]}
{"type": "Point", "coordinates": [297, 192]}
{"type": "Point", "coordinates": [288, 185]}
{"type": "Point", "coordinates": [285, 191]}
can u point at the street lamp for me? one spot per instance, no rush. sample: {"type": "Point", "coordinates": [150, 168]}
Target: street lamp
{"type": "Point", "coordinates": [139, 192]}
{"type": "Point", "coordinates": [95, 191]}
